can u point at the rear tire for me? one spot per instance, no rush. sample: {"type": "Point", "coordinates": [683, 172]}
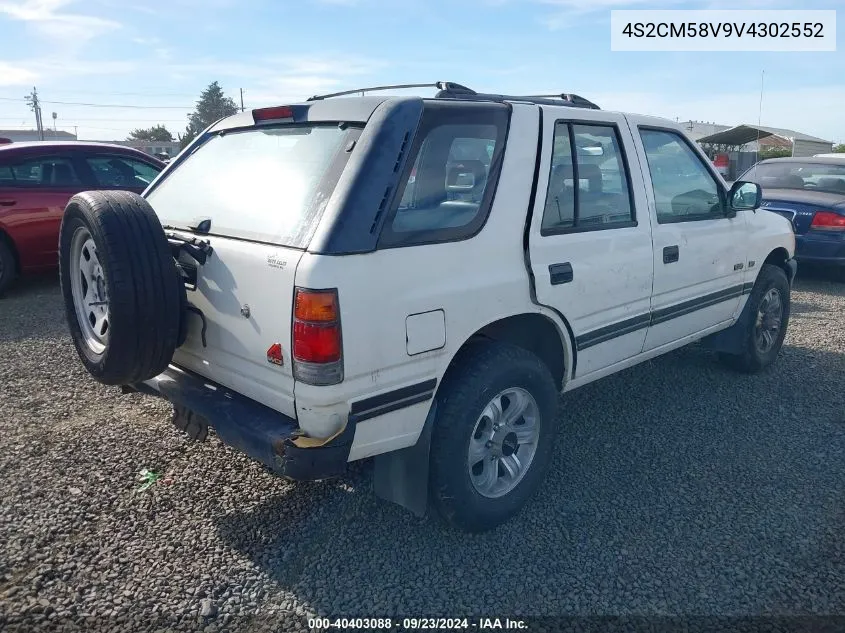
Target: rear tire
{"type": "Point", "coordinates": [766, 325]}
{"type": "Point", "coordinates": [8, 267]}
{"type": "Point", "coordinates": [120, 286]}
{"type": "Point", "coordinates": [473, 482]}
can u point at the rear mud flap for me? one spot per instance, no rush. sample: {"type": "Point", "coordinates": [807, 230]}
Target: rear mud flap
{"type": "Point", "coordinates": [402, 476]}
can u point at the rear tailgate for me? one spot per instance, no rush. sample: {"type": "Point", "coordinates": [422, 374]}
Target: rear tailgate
{"type": "Point", "coordinates": [244, 292]}
{"type": "Point", "coordinates": [257, 195]}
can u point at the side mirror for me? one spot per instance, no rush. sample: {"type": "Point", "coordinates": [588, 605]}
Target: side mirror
{"type": "Point", "coordinates": [745, 196]}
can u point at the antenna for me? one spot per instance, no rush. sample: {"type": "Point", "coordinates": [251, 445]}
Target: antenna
{"type": "Point", "coordinates": [759, 122]}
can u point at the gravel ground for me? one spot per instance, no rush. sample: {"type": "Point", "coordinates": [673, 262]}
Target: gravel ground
{"type": "Point", "coordinates": [680, 488]}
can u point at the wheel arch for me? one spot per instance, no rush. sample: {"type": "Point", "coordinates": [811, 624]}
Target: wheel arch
{"type": "Point", "coordinates": [542, 332]}
{"type": "Point", "coordinates": [779, 257]}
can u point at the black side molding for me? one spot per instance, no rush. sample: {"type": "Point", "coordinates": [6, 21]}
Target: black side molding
{"type": "Point", "coordinates": [655, 317]}
{"type": "Point", "coordinates": [561, 273]}
{"type": "Point", "coordinates": [391, 401]}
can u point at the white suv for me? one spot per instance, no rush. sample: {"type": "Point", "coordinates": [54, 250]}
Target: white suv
{"type": "Point", "coordinates": [417, 280]}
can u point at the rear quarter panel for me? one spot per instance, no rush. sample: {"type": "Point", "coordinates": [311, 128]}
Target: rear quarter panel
{"type": "Point", "coordinates": [473, 282]}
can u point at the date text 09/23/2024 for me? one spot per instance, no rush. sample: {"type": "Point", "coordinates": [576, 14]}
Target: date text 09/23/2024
{"type": "Point", "coordinates": [418, 624]}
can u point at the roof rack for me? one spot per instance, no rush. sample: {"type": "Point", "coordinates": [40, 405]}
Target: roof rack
{"type": "Point", "coordinates": [440, 85]}
{"type": "Point", "coordinates": [452, 90]}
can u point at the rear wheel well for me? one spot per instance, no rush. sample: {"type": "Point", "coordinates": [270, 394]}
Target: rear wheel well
{"type": "Point", "coordinates": [5, 237]}
{"type": "Point", "coordinates": [779, 257]}
{"type": "Point", "coordinates": [533, 332]}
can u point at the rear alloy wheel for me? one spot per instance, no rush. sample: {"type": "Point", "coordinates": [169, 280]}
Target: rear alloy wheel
{"type": "Point", "coordinates": [494, 433]}
{"type": "Point", "coordinates": [503, 442]}
{"type": "Point", "coordinates": [765, 327]}
{"type": "Point", "coordinates": [122, 294]}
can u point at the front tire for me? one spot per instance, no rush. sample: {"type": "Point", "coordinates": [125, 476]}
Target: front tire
{"type": "Point", "coordinates": [765, 329]}
{"type": "Point", "coordinates": [494, 435]}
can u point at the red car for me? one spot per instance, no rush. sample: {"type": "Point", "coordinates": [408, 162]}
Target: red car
{"type": "Point", "coordinates": [36, 182]}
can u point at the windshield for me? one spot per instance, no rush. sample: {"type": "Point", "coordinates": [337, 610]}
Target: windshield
{"type": "Point", "coordinates": [269, 185]}
{"type": "Point", "coordinates": [796, 175]}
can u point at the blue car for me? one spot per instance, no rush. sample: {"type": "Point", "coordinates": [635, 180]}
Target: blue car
{"type": "Point", "coordinates": [810, 193]}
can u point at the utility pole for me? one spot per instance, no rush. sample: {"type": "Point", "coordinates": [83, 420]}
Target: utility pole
{"type": "Point", "coordinates": [242, 99]}
{"type": "Point", "coordinates": [35, 106]}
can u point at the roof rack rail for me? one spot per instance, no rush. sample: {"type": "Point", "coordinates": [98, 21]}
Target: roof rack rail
{"type": "Point", "coordinates": [452, 90]}
{"type": "Point", "coordinates": [571, 100]}
{"type": "Point", "coordinates": [440, 85]}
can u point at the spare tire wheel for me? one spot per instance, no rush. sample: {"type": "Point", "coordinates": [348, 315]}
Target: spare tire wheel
{"type": "Point", "coordinates": [121, 290]}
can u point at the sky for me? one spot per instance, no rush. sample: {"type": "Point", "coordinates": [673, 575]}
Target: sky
{"type": "Point", "coordinates": [137, 63]}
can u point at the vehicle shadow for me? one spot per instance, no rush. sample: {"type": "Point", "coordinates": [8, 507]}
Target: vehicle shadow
{"type": "Point", "coordinates": [677, 486]}
{"type": "Point", "coordinates": [814, 277]}
{"type": "Point", "coordinates": [32, 285]}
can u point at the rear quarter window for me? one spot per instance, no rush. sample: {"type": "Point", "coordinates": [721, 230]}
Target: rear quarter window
{"type": "Point", "coordinates": [448, 187]}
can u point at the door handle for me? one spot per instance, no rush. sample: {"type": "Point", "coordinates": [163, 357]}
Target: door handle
{"type": "Point", "coordinates": [560, 273]}
{"type": "Point", "coordinates": [7, 203]}
{"type": "Point", "coordinates": [670, 254]}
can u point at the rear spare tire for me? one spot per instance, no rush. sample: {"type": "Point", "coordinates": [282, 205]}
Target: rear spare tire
{"type": "Point", "coordinates": [120, 287]}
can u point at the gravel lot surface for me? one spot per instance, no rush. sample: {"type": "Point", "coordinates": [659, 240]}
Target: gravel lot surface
{"type": "Point", "coordinates": [679, 488]}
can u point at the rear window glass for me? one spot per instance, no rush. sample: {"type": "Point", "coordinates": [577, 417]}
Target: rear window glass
{"type": "Point", "coordinates": [797, 175]}
{"type": "Point", "coordinates": [268, 185]}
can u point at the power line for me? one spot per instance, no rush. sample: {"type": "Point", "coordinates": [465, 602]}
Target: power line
{"type": "Point", "coordinates": [17, 118]}
{"type": "Point", "coordinates": [117, 105]}
{"type": "Point", "coordinates": [125, 94]}
{"type": "Point", "coordinates": [104, 105]}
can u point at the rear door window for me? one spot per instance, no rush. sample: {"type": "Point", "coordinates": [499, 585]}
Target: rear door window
{"type": "Point", "coordinates": [268, 185]}
{"type": "Point", "coordinates": [601, 199]}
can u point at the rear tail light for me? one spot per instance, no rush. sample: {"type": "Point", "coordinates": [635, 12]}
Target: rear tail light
{"type": "Point", "coordinates": [317, 341]}
{"type": "Point", "coordinates": [276, 113]}
{"type": "Point", "coordinates": [828, 221]}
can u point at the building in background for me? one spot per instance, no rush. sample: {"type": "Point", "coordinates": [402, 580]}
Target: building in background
{"type": "Point", "coordinates": [21, 136]}
{"type": "Point", "coordinates": [697, 129]}
{"type": "Point", "coordinates": [743, 143]}
{"type": "Point", "coordinates": [153, 148]}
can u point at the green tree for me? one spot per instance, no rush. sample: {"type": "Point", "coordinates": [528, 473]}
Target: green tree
{"type": "Point", "coordinates": [213, 105]}
{"type": "Point", "coordinates": [157, 133]}
{"type": "Point", "coordinates": [839, 149]}
{"type": "Point", "coordinates": [774, 152]}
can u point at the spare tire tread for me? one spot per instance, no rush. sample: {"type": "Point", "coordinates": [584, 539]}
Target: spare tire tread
{"type": "Point", "coordinates": [143, 276]}
{"type": "Point", "coordinates": [142, 284]}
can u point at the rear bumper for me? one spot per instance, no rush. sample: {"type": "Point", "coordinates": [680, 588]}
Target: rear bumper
{"type": "Point", "coordinates": [821, 247]}
{"type": "Point", "coordinates": [248, 426]}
